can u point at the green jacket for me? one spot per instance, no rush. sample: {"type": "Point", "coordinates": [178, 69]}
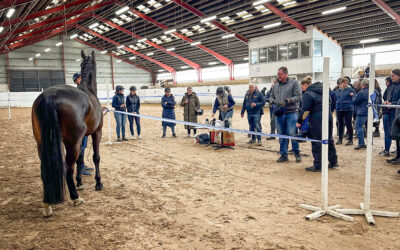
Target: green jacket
{"type": "Point", "coordinates": [190, 108]}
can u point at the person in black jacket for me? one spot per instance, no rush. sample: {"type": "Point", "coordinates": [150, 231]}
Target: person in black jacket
{"type": "Point", "coordinates": [118, 102]}
{"type": "Point", "coordinates": [133, 106]}
{"type": "Point", "coordinates": [395, 128]}
{"type": "Point", "coordinates": [388, 116]}
{"type": "Point", "coordinates": [312, 107]}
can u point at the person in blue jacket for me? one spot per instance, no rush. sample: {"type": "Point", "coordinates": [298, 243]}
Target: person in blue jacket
{"type": "Point", "coordinates": [118, 103]}
{"type": "Point", "coordinates": [133, 106]}
{"type": "Point", "coordinates": [388, 116]}
{"type": "Point", "coordinates": [224, 103]}
{"type": "Point", "coordinates": [253, 103]}
{"type": "Point", "coordinates": [361, 102]}
{"type": "Point", "coordinates": [344, 110]}
{"type": "Point", "coordinates": [168, 104]}
{"type": "Point", "coordinates": [312, 107]}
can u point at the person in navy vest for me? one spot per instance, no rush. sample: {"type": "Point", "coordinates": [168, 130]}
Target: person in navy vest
{"type": "Point", "coordinates": [344, 110]}
{"type": "Point", "coordinates": [118, 103]}
{"type": "Point", "coordinates": [253, 103]}
{"type": "Point", "coordinates": [312, 107]}
{"type": "Point", "coordinates": [168, 105]}
{"type": "Point", "coordinates": [361, 103]}
{"type": "Point", "coordinates": [133, 106]}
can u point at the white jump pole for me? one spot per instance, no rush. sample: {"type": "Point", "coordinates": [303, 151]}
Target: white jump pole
{"type": "Point", "coordinates": [9, 106]}
{"type": "Point", "coordinates": [365, 207]}
{"type": "Point", "coordinates": [325, 209]}
{"type": "Point", "coordinates": [108, 115]}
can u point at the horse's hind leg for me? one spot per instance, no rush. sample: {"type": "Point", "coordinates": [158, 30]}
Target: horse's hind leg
{"type": "Point", "coordinates": [96, 137]}
{"type": "Point", "coordinates": [71, 157]}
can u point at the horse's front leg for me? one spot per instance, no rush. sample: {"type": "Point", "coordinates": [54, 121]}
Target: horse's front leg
{"type": "Point", "coordinates": [96, 138]}
{"type": "Point", "coordinates": [71, 157]}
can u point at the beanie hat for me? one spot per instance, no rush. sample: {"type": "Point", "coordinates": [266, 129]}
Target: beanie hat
{"type": "Point", "coordinates": [396, 72]}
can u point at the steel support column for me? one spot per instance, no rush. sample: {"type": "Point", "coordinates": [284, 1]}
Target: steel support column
{"type": "Point", "coordinates": [389, 11]}
{"type": "Point", "coordinates": [285, 17]}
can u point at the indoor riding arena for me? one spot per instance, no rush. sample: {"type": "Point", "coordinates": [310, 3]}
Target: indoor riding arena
{"type": "Point", "coordinates": [183, 124]}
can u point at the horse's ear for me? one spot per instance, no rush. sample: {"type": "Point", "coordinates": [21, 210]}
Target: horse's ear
{"type": "Point", "coordinates": [83, 55]}
{"type": "Point", "coordinates": [93, 54]}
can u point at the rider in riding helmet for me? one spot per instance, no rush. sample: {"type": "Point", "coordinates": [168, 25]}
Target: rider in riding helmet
{"type": "Point", "coordinates": [77, 78]}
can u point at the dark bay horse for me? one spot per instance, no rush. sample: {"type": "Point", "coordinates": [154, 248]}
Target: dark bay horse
{"type": "Point", "coordinates": [63, 115]}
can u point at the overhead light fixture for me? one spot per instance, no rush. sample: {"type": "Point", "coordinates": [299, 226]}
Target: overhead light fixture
{"type": "Point", "coordinates": [208, 19]}
{"type": "Point", "coordinates": [372, 40]}
{"type": "Point", "coordinates": [184, 67]}
{"type": "Point", "coordinates": [326, 12]}
{"type": "Point", "coordinates": [121, 46]}
{"type": "Point", "coordinates": [228, 36]}
{"type": "Point", "coordinates": [93, 25]}
{"type": "Point", "coordinates": [37, 55]}
{"type": "Point", "coordinates": [118, 61]}
{"type": "Point", "coordinates": [161, 70]}
{"type": "Point", "coordinates": [47, 50]}
{"type": "Point", "coordinates": [73, 36]}
{"type": "Point", "coordinates": [246, 58]}
{"type": "Point", "coordinates": [247, 16]}
{"type": "Point", "coordinates": [122, 10]}
{"type": "Point", "coordinates": [1, 29]}
{"type": "Point", "coordinates": [272, 25]}
{"type": "Point", "coordinates": [142, 40]}
{"type": "Point", "coordinates": [195, 43]}
{"type": "Point", "coordinates": [289, 3]}
{"type": "Point", "coordinates": [78, 60]}
{"type": "Point", "coordinates": [132, 58]}
{"type": "Point", "coordinates": [212, 63]}
{"type": "Point", "coordinates": [103, 52]}
{"type": "Point", "coordinates": [10, 13]}
{"type": "Point", "coordinates": [58, 44]}
{"type": "Point", "coordinates": [150, 54]}
{"type": "Point", "coordinates": [260, 2]}
{"type": "Point", "coordinates": [170, 49]}
{"type": "Point", "coordinates": [170, 31]}
{"type": "Point", "coordinates": [30, 58]}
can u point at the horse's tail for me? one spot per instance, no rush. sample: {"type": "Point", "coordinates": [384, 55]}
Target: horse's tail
{"type": "Point", "coordinates": [52, 164]}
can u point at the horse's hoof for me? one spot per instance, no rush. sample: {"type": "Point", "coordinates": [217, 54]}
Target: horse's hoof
{"type": "Point", "coordinates": [47, 212]}
{"type": "Point", "coordinates": [79, 187]}
{"type": "Point", "coordinates": [78, 201]}
{"type": "Point", "coordinates": [99, 186]}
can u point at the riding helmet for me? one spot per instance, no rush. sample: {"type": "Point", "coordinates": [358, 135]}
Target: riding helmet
{"type": "Point", "coordinates": [76, 76]}
{"type": "Point", "coordinates": [119, 88]}
{"type": "Point", "coordinates": [220, 90]}
{"type": "Point", "coordinates": [167, 89]}
{"type": "Point", "coordinates": [132, 88]}
{"type": "Point", "coordinates": [199, 111]}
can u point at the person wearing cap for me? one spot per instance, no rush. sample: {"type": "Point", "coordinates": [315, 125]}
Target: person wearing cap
{"type": "Point", "coordinates": [190, 103]}
{"type": "Point", "coordinates": [224, 103]}
{"type": "Point", "coordinates": [388, 116]}
{"type": "Point", "coordinates": [253, 104]}
{"type": "Point", "coordinates": [344, 110]}
{"type": "Point", "coordinates": [80, 162]}
{"type": "Point", "coordinates": [168, 104]}
{"type": "Point", "coordinates": [133, 106]}
{"type": "Point", "coordinates": [395, 128]}
{"type": "Point", "coordinates": [118, 103]}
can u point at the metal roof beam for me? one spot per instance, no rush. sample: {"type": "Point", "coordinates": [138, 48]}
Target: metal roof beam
{"type": "Point", "coordinates": [285, 17]}
{"type": "Point", "coordinates": [10, 3]}
{"type": "Point", "coordinates": [389, 11]}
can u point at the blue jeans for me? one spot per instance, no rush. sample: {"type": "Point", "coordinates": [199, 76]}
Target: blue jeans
{"type": "Point", "coordinates": [360, 122]}
{"type": "Point", "coordinates": [272, 120]}
{"type": "Point", "coordinates": [227, 115]}
{"type": "Point", "coordinates": [120, 119]}
{"type": "Point", "coordinates": [84, 144]}
{"type": "Point", "coordinates": [286, 125]}
{"type": "Point", "coordinates": [255, 124]}
{"type": "Point", "coordinates": [137, 121]}
{"type": "Point", "coordinates": [164, 129]}
{"type": "Point", "coordinates": [387, 124]}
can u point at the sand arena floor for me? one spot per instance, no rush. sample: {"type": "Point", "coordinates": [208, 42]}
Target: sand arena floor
{"type": "Point", "coordinates": [171, 193]}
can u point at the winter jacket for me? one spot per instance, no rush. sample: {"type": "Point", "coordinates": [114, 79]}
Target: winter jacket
{"type": "Point", "coordinates": [190, 108]}
{"type": "Point", "coordinates": [168, 109]}
{"type": "Point", "coordinates": [133, 103]}
{"type": "Point", "coordinates": [387, 96]}
{"type": "Point", "coordinates": [230, 103]}
{"type": "Point", "coordinates": [256, 98]}
{"type": "Point", "coordinates": [343, 99]}
{"type": "Point", "coordinates": [290, 89]}
{"type": "Point", "coordinates": [267, 97]}
{"type": "Point", "coordinates": [361, 102]}
{"type": "Point", "coordinates": [117, 101]}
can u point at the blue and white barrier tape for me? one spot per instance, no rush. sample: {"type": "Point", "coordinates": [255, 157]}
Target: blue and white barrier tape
{"type": "Point", "coordinates": [198, 125]}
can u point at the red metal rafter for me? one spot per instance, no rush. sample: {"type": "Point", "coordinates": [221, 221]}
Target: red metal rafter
{"type": "Point", "coordinates": [34, 38]}
{"type": "Point", "coordinates": [9, 3]}
{"type": "Point", "coordinates": [220, 57]}
{"type": "Point", "coordinates": [215, 22]}
{"type": "Point", "coordinates": [185, 60]}
{"type": "Point", "coordinates": [45, 12]}
{"type": "Point", "coordinates": [285, 17]}
{"type": "Point", "coordinates": [59, 17]}
{"type": "Point", "coordinates": [162, 65]}
{"type": "Point", "coordinates": [389, 11]}
{"type": "Point", "coordinates": [111, 54]}
{"type": "Point", "coordinates": [52, 27]}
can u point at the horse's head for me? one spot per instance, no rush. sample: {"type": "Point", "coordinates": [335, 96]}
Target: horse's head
{"type": "Point", "coordinates": [88, 71]}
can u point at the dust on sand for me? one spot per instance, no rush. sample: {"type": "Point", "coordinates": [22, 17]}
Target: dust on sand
{"type": "Point", "coordinates": [172, 193]}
